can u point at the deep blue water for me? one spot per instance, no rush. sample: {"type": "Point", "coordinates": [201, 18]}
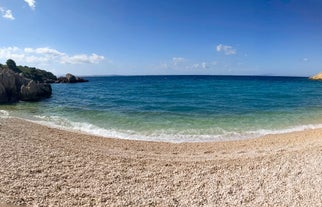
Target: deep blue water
{"type": "Point", "coordinates": [180, 108]}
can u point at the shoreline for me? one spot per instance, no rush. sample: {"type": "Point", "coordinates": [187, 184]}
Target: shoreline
{"type": "Point", "coordinates": [294, 129]}
{"type": "Point", "coordinates": [48, 166]}
{"type": "Point", "coordinates": [257, 134]}
{"type": "Point", "coordinates": [286, 136]}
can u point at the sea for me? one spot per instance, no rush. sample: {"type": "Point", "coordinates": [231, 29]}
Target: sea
{"type": "Point", "coordinates": [179, 108]}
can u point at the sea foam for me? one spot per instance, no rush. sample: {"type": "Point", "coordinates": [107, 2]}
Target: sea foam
{"type": "Point", "coordinates": [4, 114]}
{"type": "Point", "coordinates": [87, 128]}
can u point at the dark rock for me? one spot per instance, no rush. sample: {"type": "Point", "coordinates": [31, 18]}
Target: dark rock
{"type": "Point", "coordinates": [61, 80]}
{"type": "Point", "coordinates": [80, 80]}
{"type": "Point", "coordinates": [10, 84]}
{"type": "Point", "coordinates": [14, 87]}
{"type": "Point", "coordinates": [9, 91]}
{"type": "Point", "coordinates": [35, 91]}
{"type": "Point", "coordinates": [69, 78]}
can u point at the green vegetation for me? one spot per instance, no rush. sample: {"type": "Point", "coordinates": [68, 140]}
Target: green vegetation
{"type": "Point", "coordinates": [31, 72]}
{"type": "Point", "coordinates": [12, 65]}
{"type": "Point", "coordinates": [37, 74]}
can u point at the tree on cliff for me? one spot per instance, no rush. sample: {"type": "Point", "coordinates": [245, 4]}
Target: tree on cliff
{"type": "Point", "coordinates": [37, 74]}
{"type": "Point", "coordinates": [32, 73]}
{"type": "Point", "coordinates": [12, 65]}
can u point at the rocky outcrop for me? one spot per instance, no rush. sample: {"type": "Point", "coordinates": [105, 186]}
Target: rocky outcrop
{"type": "Point", "coordinates": [10, 84]}
{"type": "Point", "coordinates": [69, 78]}
{"type": "Point", "coordinates": [35, 91]}
{"type": "Point", "coordinates": [14, 87]}
{"type": "Point", "coordinates": [317, 77]}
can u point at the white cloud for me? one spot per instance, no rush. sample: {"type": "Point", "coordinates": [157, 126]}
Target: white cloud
{"type": "Point", "coordinates": [196, 65]}
{"type": "Point", "coordinates": [79, 59]}
{"type": "Point", "coordinates": [44, 51]}
{"type": "Point", "coordinates": [204, 65]}
{"type": "Point", "coordinates": [6, 13]}
{"type": "Point", "coordinates": [177, 60]}
{"type": "Point", "coordinates": [35, 59]}
{"type": "Point", "coordinates": [31, 3]}
{"type": "Point", "coordinates": [305, 59]}
{"type": "Point", "coordinates": [228, 50]}
{"type": "Point", "coordinates": [181, 64]}
{"type": "Point", "coordinates": [46, 55]}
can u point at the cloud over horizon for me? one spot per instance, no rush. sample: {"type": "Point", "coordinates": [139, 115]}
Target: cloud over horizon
{"type": "Point", "coordinates": [181, 63]}
{"type": "Point", "coordinates": [46, 55]}
{"type": "Point", "coordinates": [177, 60]}
{"type": "Point", "coordinates": [226, 49]}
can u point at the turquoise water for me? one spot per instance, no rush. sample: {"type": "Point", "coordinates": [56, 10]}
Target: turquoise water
{"type": "Point", "coordinates": [180, 108]}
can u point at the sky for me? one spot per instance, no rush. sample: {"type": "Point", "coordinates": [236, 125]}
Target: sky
{"type": "Point", "coordinates": [164, 37]}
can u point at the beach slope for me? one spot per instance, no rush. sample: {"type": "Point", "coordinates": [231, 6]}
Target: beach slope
{"type": "Point", "coordinates": [42, 166]}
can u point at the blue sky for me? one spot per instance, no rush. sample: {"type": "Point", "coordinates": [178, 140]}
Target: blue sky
{"type": "Point", "coordinates": [152, 37]}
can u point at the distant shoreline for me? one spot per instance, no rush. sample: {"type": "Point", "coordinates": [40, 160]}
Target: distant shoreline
{"type": "Point", "coordinates": [142, 75]}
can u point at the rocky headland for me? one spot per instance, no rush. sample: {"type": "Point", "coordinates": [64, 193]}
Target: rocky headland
{"type": "Point", "coordinates": [23, 83]}
{"type": "Point", "coordinates": [14, 87]}
{"type": "Point", "coordinates": [317, 77]}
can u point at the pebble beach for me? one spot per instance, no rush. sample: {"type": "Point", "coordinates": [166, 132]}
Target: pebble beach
{"type": "Point", "coordinates": [42, 166]}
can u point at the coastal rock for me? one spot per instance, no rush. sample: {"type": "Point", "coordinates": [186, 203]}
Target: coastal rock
{"type": "Point", "coordinates": [10, 84]}
{"type": "Point", "coordinates": [35, 91]}
{"type": "Point", "coordinates": [69, 78]}
{"type": "Point", "coordinates": [14, 87]}
{"type": "Point", "coordinates": [3, 94]}
{"type": "Point", "coordinates": [80, 80]}
{"type": "Point", "coordinates": [61, 80]}
{"type": "Point", "coordinates": [317, 77]}
{"type": "Point", "coordinates": [7, 88]}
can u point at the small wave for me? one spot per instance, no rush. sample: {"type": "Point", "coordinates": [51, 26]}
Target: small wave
{"type": "Point", "coordinates": [164, 135]}
{"type": "Point", "coordinates": [63, 123]}
{"type": "Point", "coordinates": [4, 114]}
{"type": "Point", "coordinates": [263, 132]}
